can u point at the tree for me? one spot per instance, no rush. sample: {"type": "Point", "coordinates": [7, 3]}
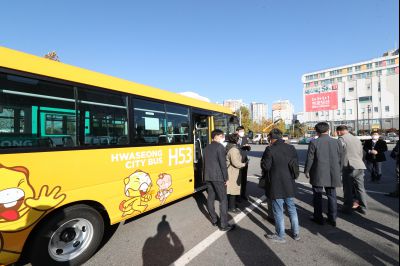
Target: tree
{"type": "Point", "coordinates": [52, 56]}
{"type": "Point", "coordinates": [244, 114]}
{"type": "Point", "coordinates": [299, 129]}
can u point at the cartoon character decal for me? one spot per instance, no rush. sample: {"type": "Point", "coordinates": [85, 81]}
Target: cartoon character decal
{"type": "Point", "coordinates": [20, 206]}
{"type": "Point", "coordinates": [164, 183]}
{"type": "Point", "coordinates": [137, 188]}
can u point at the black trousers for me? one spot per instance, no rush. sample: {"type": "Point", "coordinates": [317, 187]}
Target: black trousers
{"type": "Point", "coordinates": [232, 201]}
{"type": "Point", "coordinates": [332, 203]}
{"type": "Point", "coordinates": [217, 189]}
{"type": "Point", "coordinates": [243, 185]}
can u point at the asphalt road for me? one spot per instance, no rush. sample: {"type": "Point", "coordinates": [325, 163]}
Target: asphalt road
{"type": "Point", "coordinates": [182, 234]}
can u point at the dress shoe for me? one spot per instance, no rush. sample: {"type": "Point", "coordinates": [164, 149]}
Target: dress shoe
{"type": "Point", "coordinates": [333, 223]}
{"type": "Point", "coordinates": [317, 221]}
{"type": "Point", "coordinates": [214, 223]}
{"type": "Point", "coordinates": [227, 228]}
{"type": "Point", "coordinates": [235, 210]}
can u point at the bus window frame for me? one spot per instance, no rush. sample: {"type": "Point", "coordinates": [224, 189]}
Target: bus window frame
{"type": "Point", "coordinates": [130, 116]}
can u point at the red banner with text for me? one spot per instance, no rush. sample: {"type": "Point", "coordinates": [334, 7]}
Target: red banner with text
{"type": "Point", "coordinates": [322, 101]}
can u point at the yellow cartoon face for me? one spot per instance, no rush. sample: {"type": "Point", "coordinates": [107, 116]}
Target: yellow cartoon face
{"type": "Point", "coordinates": [14, 190]}
{"type": "Point", "coordinates": [137, 184]}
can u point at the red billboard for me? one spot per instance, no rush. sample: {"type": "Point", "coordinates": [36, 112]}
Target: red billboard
{"type": "Point", "coordinates": [322, 101]}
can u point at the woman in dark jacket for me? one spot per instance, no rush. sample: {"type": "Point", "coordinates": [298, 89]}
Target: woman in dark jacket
{"type": "Point", "coordinates": [375, 149]}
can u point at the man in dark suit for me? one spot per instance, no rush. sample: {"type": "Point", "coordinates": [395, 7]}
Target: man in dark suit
{"type": "Point", "coordinates": [216, 176]}
{"type": "Point", "coordinates": [323, 167]}
{"type": "Point", "coordinates": [395, 156]}
{"type": "Point", "coordinates": [375, 149]}
{"type": "Point", "coordinates": [278, 164]}
{"type": "Point", "coordinates": [244, 147]}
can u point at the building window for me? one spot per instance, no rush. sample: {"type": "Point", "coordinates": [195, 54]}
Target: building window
{"type": "Point", "coordinates": [322, 75]}
{"type": "Point", "coordinates": [391, 62]}
{"type": "Point", "coordinates": [338, 112]}
{"type": "Point", "coordinates": [387, 109]}
{"type": "Point", "coordinates": [351, 89]}
{"type": "Point", "coordinates": [369, 66]}
{"type": "Point", "coordinates": [350, 111]}
{"type": "Point", "coordinates": [349, 69]}
{"type": "Point", "coordinates": [364, 99]}
{"type": "Point", "coordinates": [339, 79]}
{"type": "Point", "coordinates": [358, 68]}
{"type": "Point", "coordinates": [390, 71]}
{"type": "Point", "coordinates": [316, 113]}
{"type": "Point", "coordinates": [343, 100]}
{"type": "Point", "coordinates": [350, 77]}
{"type": "Point", "coordinates": [344, 111]}
{"type": "Point", "coordinates": [379, 72]}
{"type": "Point", "coordinates": [376, 109]}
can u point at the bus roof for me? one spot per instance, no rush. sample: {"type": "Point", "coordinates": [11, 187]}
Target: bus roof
{"type": "Point", "coordinates": [16, 60]}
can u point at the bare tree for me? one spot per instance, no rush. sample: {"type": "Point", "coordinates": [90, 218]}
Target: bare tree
{"type": "Point", "coordinates": [52, 56]}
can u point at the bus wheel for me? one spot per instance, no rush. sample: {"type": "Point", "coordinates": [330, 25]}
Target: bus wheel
{"type": "Point", "coordinates": [69, 237]}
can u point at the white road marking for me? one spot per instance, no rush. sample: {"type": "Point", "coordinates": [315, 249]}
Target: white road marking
{"type": "Point", "coordinates": [203, 245]}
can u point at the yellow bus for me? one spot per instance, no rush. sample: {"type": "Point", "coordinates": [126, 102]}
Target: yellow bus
{"type": "Point", "coordinates": [80, 150]}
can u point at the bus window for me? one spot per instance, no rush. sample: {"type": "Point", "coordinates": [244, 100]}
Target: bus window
{"type": "Point", "coordinates": [103, 118]}
{"type": "Point", "coordinates": [177, 124]}
{"type": "Point", "coordinates": [221, 122]}
{"type": "Point", "coordinates": [35, 113]}
{"type": "Point", "coordinates": [233, 123]}
{"type": "Point", "coordinates": [150, 122]}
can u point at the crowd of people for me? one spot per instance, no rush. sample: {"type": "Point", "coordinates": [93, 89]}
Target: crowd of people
{"type": "Point", "coordinates": [330, 163]}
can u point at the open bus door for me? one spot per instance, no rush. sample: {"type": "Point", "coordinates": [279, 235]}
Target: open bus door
{"type": "Point", "coordinates": [201, 138]}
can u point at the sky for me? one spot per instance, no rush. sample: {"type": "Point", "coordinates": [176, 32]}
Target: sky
{"type": "Point", "coordinates": [255, 50]}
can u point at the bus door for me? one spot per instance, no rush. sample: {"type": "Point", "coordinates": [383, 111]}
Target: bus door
{"type": "Point", "coordinates": [201, 137]}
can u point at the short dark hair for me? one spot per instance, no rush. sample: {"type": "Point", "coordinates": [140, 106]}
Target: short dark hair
{"type": "Point", "coordinates": [373, 132]}
{"type": "Point", "coordinates": [233, 138]}
{"type": "Point", "coordinates": [275, 134]}
{"type": "Point", "coordinates": [216, 132]}
{"type": "Point", "coordinates": [341, 128]}
{"type": "Point", "coordinates": [322, 127]}
{"type": "Point", "coordinates": [240, 128]}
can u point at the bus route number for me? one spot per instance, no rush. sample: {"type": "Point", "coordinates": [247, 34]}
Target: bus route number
{"type": "Point", "coordinates": [179, 156]}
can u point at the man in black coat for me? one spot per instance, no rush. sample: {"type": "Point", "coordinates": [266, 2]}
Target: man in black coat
{"type": "Point", "coordinates": [323, 167]}
{"type": "Point", "coordinates": [216, 176]}
{"type": "Point", "coordinates": [375, 149]}
{"type": "Point", "coordinates": [244, 147]}
{"type": "Point", "coordinates": [395, 156]}
{"type": "Point", "coordinates": [279, 163]}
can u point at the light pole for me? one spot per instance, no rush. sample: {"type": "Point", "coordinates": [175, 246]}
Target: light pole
{"type": "Point", "coordinates": [369, 124]}
{"type": "Point", "coordinates": [363, 118]}
{"type": "Point", "coordinates": [356, 124]}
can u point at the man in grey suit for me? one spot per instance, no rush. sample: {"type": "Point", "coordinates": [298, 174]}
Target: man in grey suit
{"type": "Point", "coordinates": [353, 171]}
{"type": "Point", "coordinates": [323, 167]}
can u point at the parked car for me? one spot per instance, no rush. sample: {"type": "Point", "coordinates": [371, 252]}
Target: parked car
{"type": "Point", "coordinates": [305, 140]}
{"type": "Point", "coordinates": [256, 139]}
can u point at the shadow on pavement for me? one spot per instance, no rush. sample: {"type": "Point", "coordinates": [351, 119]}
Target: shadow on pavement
{"type": "Point", "coordinates": [354, 218]}
{"type": "Point", "coordinates": [345, 239]}
{"type": "Point", "coordinates": [201, 201]}
{"type": "Point", "coordinates": [250, 249]}
{"type": "Point", "coordinates": [164, 248]}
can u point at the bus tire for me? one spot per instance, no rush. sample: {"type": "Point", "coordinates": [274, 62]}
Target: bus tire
{"type": "Point", "coordinates": [69, 237]}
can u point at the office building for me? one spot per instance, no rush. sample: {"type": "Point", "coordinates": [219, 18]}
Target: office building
{"type": "Point", "coordinates": [364, 95]}
{"type": "Point", "coordinates": [259, 112]}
